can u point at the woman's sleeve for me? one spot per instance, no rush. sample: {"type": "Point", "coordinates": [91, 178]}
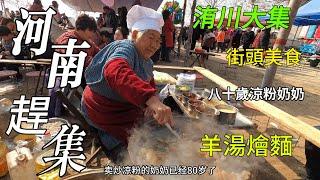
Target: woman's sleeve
{"type": "Point", "coordinates": [122, 79]}
{"type": "Point", "coordinates": [153, 83]}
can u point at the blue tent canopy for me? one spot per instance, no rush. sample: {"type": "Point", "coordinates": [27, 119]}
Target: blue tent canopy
{"type": "Point", "coordinates": [308, 14]}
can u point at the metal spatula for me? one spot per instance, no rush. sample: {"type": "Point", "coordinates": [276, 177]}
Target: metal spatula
{"type": "Point", "coordinates": [172, 131]}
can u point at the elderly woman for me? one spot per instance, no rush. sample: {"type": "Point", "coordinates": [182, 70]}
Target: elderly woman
{"type": "Point", "coordinates": [120, 86]}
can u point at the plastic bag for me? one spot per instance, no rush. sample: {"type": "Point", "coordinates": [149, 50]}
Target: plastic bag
{"type": "Point", "coordinates": [186, 80]}
{"type": "Point", "coordinates": [164, 93]}
{"type": "Point", "coordinates": [163, 78]}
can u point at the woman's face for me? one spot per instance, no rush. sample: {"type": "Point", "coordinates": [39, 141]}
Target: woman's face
{"type": "Point", "coordinates": [118, 35]}
{"type": "Point", "coordinates": [148, 43]}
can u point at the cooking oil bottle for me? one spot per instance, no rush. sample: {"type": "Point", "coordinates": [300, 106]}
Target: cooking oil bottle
{"type": "Point", "coordinates": [21, 164]}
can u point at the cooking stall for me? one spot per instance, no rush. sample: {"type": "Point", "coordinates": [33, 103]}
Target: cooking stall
{"type": "Point", "coordinates": [195, 116]}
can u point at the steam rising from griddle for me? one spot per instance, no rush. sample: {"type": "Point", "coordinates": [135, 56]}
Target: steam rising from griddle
{"type": "Point", "coordinates": [154, 145]}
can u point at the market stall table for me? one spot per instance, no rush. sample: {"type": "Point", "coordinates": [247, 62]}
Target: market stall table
{"type": "Point", "coordinates": [43, 62]}
{"type": "Point", "coordinates": [17, 61]}
{"type": "Point", "coordinates": [296, 125]}
{"type": "Point", "coordinates": [313, 63]}
{"type": "Point", "coordinates": [7, 73]}
{"type": "Point", "coordinates": [240, 122]}
{"type": "Point", "coordinates": [173, 67]}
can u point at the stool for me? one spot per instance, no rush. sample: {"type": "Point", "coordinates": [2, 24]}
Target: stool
{"type": "Point", "coordinates": [8, 74]}
{"type": "Point", "coordinates": [34, 75]}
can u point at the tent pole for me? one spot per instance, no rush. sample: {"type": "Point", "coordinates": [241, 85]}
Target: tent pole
{"type": "Point", "coordinates": [182, 24]}
{"type": "Point", "coordinates": [280, 43]}
{"type": "Point", "coordinates": [193, 8]}
{"type": "Point", "coordinates": [295, 34]}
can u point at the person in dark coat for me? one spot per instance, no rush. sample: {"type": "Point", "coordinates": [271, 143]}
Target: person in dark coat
{"type": "Point", "coordinates": [196, 34]}
{"type": "Point", "coordinates": [110, 18]}
{"type": "Point", "coordinates": [312, 153]}
{"type": "Point", "coordinates": [247, 40]}
{"type": "Point", "coordinates": [236, 38]}
{"type": "Point", "coordinates": [265, 39]}
{"type": "Point", "coordinates": [122, 19]}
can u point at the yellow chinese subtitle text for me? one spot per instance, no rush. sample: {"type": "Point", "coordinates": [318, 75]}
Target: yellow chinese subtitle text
{"type": "Point", "coordinates": [236, 145]}
{"type": "Point", "coordinates": [241, 57]}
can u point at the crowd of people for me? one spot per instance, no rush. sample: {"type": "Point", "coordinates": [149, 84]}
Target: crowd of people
{"type": "Point", "coordinates": [117, 74]}
{"type": "Point", "coordinates": [7, 32]}
{"type": "Point", "coordinates": [109, 26]}
{"type": "Point", "coordinates": [220, 40]}
{"type": "Point", "coordinates": [10, 14]}
{"type": "Point", "coordinates": [224, 38]}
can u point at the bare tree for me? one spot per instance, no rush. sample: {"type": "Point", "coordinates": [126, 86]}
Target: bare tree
{"type": "Point", "coordinates": [212, 3]}
{"type": "Point", "coordinates": [18, 3]}
{"type": "Point", "coordinates": [282, 35]}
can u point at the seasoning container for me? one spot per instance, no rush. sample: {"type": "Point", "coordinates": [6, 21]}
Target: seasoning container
{"type": "Point", "coordinates": [207, 113]}
{"type": "Point", "coordinates": [21, 164]}
{"type": "Point", "coordinates": [227, 114]}
{"type": "Point", "coordinates": [3, 161]}
{"type": "Point", "coordinates": [40, 165]}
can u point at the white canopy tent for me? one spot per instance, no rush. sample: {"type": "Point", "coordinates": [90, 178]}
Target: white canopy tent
{"type": "Point", "coordinates": [97, 5]}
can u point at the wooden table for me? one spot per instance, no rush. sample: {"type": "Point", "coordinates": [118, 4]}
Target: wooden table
{"type": "Point", "coordinates": [173, 67]}
{"type": "Point", "coordinates": [43, 62]}
{"type": "Point", "coordinates": [279, 116]}
{"type": "Point", "coordinates": [7, 73]}
{"type": "Point", "coordinates": [296, 125]}
{"type": "Point", "coordinates": [17, 61]}
{"type": "Point", "coordinates": [199, 54]}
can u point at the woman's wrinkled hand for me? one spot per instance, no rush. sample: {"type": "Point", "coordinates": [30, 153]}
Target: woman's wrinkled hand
{"type": "Point", "coordinates": [161, 112]}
